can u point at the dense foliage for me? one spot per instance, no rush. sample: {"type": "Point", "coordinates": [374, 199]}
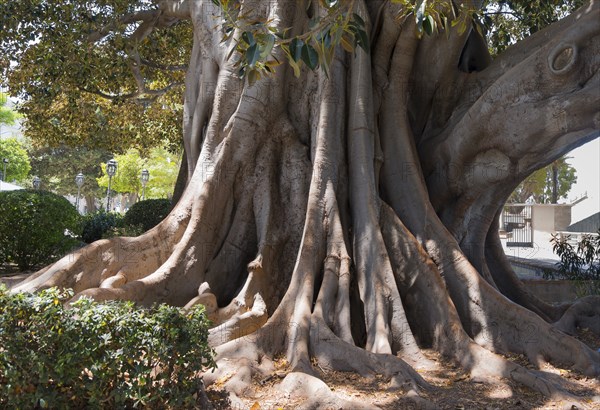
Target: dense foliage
{"type": "Point", "coordinates": [7, 115]}
{"type": "Point", "coordinates": [18, 165]}
{"type": "Point", "coordinates": [99, 355]}
{"type": "Point", "coordinates": [148, 213]}
{"type": "Point", "coordinates": [58, 166]}
{"type": "Point", "coordinates": [97, 224]}
{"type": "Point", "coordinates": [162, 165]}
{"type": "Point", "coordinates": [74, 71]}
{"type": "Point", "coordinates": [110, 74]}
{"type": "Point", "coordinates": [36, 227]}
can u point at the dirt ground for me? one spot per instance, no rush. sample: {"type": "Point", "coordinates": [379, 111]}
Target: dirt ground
{"type": "Point", "coordinates": [453, 389]}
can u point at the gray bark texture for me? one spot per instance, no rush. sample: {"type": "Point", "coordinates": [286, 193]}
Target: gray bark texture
{"type": "Point", "coordinates": [349, 221]}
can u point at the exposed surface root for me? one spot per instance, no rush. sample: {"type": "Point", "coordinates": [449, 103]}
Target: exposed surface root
{"type": "Point", "coordinates": [583, 314]}
{"type": "Point", "coordinates": [309, 232]}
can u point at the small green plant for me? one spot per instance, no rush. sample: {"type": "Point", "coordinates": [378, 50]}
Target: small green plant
{"type": "Point", "coordinates": [96, 225]}
{"type": "Point", "coordinates": [579, 262]}
{"type": "Point", "coordinates": [36, 227]}
{"type": "Point", "coordinates": [99, 355]}
{"type": "Point", "coordinates": [147, 214]}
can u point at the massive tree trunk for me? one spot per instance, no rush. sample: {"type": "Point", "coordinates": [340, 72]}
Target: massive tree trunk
{"type": "Point", "coordinates": [350, 220]}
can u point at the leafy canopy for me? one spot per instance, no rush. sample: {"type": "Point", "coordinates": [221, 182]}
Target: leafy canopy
{"type": "Point", "coordinates": [110, 73]}
{"type": "Point", "coordinates": [84, 73]}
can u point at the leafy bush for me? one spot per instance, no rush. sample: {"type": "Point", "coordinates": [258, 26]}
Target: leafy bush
{"type": "Point", "coordinates": [36, 227]}
{"type": "Point", "coordinates": [99, 355]}
{"type": "Point", "coordinates": [97, 224]}
{"type": "Point", "coordinates": [580, 262]}
{"type": "Point", "coordinates": [148, 213]}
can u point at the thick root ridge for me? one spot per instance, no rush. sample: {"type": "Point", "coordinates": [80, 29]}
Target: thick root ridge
{"type": "Point", "coordinates": [583, 314]}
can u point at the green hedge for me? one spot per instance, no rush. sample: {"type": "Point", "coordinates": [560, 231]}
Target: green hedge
{"type": "Point", "coordinates": [96, 225]}
{"type": "Point", "coordinates": [148, 213]}
{"type": "Point", "coordinates": [33, 226]}
{"type": "Point", "coordinates": [99, 355]}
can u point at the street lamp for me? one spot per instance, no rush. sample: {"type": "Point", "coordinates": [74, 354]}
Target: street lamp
{"type": "Point", "coordinates": [79, 181]}
{"type": "Point", "coordinates": [111, 170]}
{"type": "Point", "coordinates": [36, 183]}
{"type": "Point", "coordinates": [5, 161]}
{"type": "Point", "coordinates": [145, 177]}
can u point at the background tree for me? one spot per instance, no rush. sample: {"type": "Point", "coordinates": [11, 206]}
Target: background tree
{"type": "Point", "coordinates": [546, 185]}
{"type": "Point", "coordinates": [7, 115]}
{"type": "Point", "coordinates": [346, 218]}
{"type": "Point", "coordinates": [127, 178]}
{"type": "Point", "coordinates": [57, 167]}
{"type": "Point", "coordinates": [163, 166]}
{"type": "Point", "coordinates": [160, 163]}
{"type": "Point", "coordinates": [509, 21]}
{"type": "Point", "coordinates": [18, 165]}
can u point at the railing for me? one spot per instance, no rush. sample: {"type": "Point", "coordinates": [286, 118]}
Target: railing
{"type": "Point", "coordinates": [516, 222]}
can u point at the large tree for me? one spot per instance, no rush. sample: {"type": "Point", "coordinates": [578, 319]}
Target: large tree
{"type": "Point", "coordinates": [347, 219]}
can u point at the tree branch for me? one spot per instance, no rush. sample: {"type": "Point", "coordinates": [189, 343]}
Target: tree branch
{"type": "Point", "coordinates": [139, 93]}
{"type": "Point", "coordinates": [145, 16]}
{"type": "Point", "coordinates": [153, 64]}
{"type": "Point", "coordinates": [523, 112]}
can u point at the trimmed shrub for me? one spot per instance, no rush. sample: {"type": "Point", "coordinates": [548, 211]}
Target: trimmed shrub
{"type": "Point", "coordinates": [99, 355]}
{"type": "Point", "coordinates": [36, 227]}
{"type": "Point", "coordinates": [148, 213]}
{"type": "Point", "coordinates": [96, 225]}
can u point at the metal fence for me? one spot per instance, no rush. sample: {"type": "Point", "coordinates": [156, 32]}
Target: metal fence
{"type": "Point", "coordinates": [517, 224]}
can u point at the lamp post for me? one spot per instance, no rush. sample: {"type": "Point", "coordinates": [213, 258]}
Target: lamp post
{"type": "Point", "coordinates": [111, 170]}
{"type": "Point", "coordinates": [36, 183]}
{"type": "Point", "coordinates": [5, 161]}
{"type": "Point", "coordinates": [79, 181]}
{"type": "Point", "coordinates": [145, 177]}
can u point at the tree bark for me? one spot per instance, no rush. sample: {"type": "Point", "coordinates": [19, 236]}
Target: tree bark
{"type": "Point", "coordinates": [349, 220]}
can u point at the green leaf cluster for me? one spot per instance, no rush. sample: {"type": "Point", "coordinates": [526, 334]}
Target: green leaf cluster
{"type": "Point", "coordinates": [7, 115]}
{"type": "Point", "coordinates": [159, 162]}
{"type": "Point", "coordinates": [36, 228]}
{"type": "Point", "coordinates": [70, 63]}
{"type": "Point", "coordinates": [55, 354]}
{"type": "Point", "coordinates": [434, 17]}
{"type": "Point", "coordinates": [18, 165]}
{"type": "Point", "coordinates": [259, 40]}
{"type": "Point", "coordinates": [97, 225]}
{"type": "Point", "coordinates": [579, 262]}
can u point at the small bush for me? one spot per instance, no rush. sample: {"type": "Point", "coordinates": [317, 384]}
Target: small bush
{"type": "Point", "coordinates": [580, 263]}
{"type": "Point", "coordinates": [96, 225]}
{"type": "Point", "coordinates": [99, 355]}
{"type": "Point", "coordinates": [36, 227]}
{"type": "Point", "coordinates": [148, 213]}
